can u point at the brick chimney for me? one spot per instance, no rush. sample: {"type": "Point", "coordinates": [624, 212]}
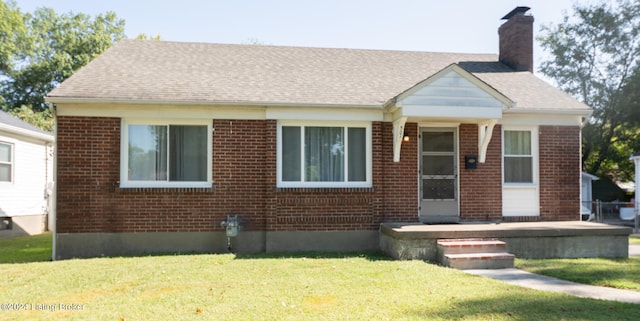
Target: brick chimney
{"type": "Point", "coordinates": [516, 40]}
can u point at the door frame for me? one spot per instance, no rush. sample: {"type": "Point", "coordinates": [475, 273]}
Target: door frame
{"type": "Point", "coordinates": [454, 128]}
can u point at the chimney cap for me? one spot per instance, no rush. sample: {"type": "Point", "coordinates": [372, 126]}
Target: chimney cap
{"type": "Point", "coordinates": [514, 12]}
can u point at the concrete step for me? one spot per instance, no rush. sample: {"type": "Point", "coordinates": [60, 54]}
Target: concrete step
{"type": "Point", "coordinates": [474, 253]}
{"type": "Point", "coordinates": [468, 261]}
{"type": "Point", "coordinates": [471, 245]}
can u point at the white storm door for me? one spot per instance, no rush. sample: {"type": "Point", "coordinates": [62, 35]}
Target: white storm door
{"type": "Point", "coordinates": [438, 175]}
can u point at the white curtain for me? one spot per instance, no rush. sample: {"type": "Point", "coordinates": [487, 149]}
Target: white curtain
{"type": "Point", "coordinates": [518, 161]}
{"type": "Point", "coordinates": [324, 154]}
{"type": "Point", "coordinates": [188, 153]}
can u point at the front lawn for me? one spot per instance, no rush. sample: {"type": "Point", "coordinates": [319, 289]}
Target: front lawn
{"type": "Point", "coordinates": [271, 287]}
{"type": "Point", "coordinates": [613, 273]}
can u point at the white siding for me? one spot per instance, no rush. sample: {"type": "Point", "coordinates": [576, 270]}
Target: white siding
{"type": "Point", "coordinates": [523, 199]}
{"type": "Point", "coordinates": [451, 90]}
{"type": "Point", "coordinates": [32, 169]}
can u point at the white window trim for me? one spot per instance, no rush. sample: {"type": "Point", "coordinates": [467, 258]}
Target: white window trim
{"type": "Point", "coordinates": [124, 153]}
{"type": "Point", "coordinates": [369, 167]}
{"type": "Point", "coordinates": [535, 154]}
{"type": "Point", "coordinates": [531, 190]}
{"type": "Point", "coordinates": [11, 162]}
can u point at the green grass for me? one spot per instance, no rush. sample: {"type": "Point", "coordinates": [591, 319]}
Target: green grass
{"type": "Point", "coordinates": [278, 287]}
{"type": "Point", "coordinates": [25, 249]}
{"type": "Point", "coordinates": [614, 273]}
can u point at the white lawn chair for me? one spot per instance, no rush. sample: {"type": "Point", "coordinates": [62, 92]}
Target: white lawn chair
{"type": "Point", "coordinates": [627, 213]}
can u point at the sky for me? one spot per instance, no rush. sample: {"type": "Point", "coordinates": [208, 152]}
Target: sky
{"type": "Point", "coordinates": [467, 26]}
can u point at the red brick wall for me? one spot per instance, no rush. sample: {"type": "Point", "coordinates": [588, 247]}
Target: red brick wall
{"type": "Point", "coordinates": [400, 180]}
{"type": "Point", "coordinates": [244, 173]}
{"type": "Point", "coordinates": [88, 168]}
{"type": "Point", "coordinates": [516, 42]}
{"type": "Point", "coordinates": [89, 199]}
{"type": "Point", "coordinates": [559, 173]}
{"type": "Point", "coordinates": [480, 188]}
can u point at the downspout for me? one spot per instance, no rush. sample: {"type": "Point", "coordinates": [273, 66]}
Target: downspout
{"type": "Point", "coordinates": [54, 194]}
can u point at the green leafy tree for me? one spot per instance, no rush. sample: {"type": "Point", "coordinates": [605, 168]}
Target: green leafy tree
{"type": "Point", "coordinates": [39, 50]}
{"type": "Point", "coordinates": [143, 36]}
{"type": "Point", "coordinates": [12, 35]}
{"type": "Point", "coordinates": [42, 119]}
{"type": "Point", "coordinates": [57, 46]}
{"type": "Point", "coordinates": [595, 58]}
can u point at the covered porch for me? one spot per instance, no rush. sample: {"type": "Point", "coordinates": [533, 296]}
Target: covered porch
{"type": "Point", "coordinates": [562, 239]}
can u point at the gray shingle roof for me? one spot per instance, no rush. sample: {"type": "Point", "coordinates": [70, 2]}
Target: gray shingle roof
{"type": "Point", "coordinates": [254, 74]}
{"type": "Point", "coordinates": [8, 119]}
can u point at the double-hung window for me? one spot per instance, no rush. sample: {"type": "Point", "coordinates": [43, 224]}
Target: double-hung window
{"type": "Point", "coordinates": [6, 162]}
{"type": "Point", "coordinates": [518, 156]}
{"type": "Point", "coordinates": [165, 154]}
{"type": "Point", "coordinates": [319, 154]}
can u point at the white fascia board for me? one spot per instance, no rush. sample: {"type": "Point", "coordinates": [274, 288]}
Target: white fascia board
{"type": "Point", "coordinates": [351, 114]}
{"type": "Point", "coordinates": [159, 111]}
{"type": "Point", "coordinates": [546, 119]}
{"type": "Point", "coordinates": [70, 100]}
{"type": "Point", "coordinates": [26, 132]}
{"type": "Point", "coordinates": [576, 112]}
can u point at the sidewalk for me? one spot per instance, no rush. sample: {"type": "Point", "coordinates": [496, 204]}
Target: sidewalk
{"type": "Point", "coordinates": [546, 283]}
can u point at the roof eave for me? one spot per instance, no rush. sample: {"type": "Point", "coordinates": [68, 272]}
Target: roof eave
{"type": "Point", "coordinates": [576, 112]}
{"type": "Point", "coordinates": [82, 100]}
{"type": "Point", "coordinates": [27, 132]}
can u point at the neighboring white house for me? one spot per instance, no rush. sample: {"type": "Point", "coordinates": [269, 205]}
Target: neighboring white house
{"type": "Point", "coordinates": [26, 177]}
{"type": "Point", "coordinates": [587, 193]}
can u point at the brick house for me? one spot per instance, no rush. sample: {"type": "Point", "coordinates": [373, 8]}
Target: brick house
{"type": "Point", "coordinates": [312, 148]}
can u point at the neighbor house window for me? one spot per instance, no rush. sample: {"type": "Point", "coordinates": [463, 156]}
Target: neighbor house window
{"type": "Point", "coordinates": [166, 155]}
{"type": "Point", "coordinates": [6, 162]}
{"type": "Point", "coordinates": [324, 155]}
{"type": "Point", "coordinates": [518, 156]}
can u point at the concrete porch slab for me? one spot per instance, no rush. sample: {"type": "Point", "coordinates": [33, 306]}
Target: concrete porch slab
{"type": "Point", "coordinates": [565, 239]}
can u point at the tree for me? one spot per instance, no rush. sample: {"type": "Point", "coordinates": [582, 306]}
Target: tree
{"type": "Point", "coordinates": [55, 47]}
{"type": "Point", "coordinates": [143, 36]}
{"type": "Point", "coordinates": [12, 35]}
{"type": "Point", "coordinates": [42, 120]}
{"type": "Point", "coordinates": [595, 58]}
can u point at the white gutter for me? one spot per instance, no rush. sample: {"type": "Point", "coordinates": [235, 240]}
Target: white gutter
{"type": "Point", "coordinates": [54, 195]}
{"type": "Point", "coordinates": [578, 112]}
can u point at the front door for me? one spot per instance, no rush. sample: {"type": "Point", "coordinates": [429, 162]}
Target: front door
{"type": "Point", "coordinates": [438, 175]}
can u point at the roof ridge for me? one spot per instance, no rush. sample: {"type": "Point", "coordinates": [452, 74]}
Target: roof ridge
{"type": "Point", "coordinates": [302, 47]}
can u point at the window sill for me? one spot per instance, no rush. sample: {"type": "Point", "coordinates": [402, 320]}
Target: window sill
{"type": "Point", "coordinates": [520, 185]}
{"type": "Point", "coordinates": [324, 190]}
{"type": "Point", "coordinates": [165, 190]}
